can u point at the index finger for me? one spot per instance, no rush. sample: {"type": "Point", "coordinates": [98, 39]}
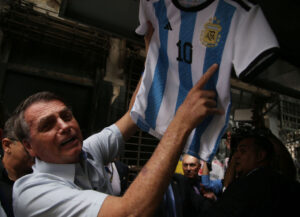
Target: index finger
{"type": "Point", "coordinates": [206, 76]}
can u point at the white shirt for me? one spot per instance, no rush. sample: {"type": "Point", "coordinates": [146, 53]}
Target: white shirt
{"type": "Point", "coordinates": [2, 212]}
{"type": "Point", "coordinates": [62, 190]}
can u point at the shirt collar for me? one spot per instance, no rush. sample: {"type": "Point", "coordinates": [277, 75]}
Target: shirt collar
{"type": "Point", "coordinates": [66, 171]}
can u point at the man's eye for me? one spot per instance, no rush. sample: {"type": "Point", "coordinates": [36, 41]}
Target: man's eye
{"type": "Point", "coordinates": [66, 115]}
{"type": "Point", "coordinates": [46, 125]}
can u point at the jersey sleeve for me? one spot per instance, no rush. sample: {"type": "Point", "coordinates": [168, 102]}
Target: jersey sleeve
{"type": "Point", "coordinates": [255, 44]}
{"type": "Point", "coordinates": [105, 145]}
{"type": "Point", "coordinates": [144, 16]}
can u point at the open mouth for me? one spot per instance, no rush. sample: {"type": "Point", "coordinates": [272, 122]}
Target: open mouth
{"type": "Point", "coordinates": [68, 141]}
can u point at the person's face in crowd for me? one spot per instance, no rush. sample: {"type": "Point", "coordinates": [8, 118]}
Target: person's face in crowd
{"type": "Point", "coordinates": [247, 156]}
{"type": "Point", "coordinates": [55, 136]}
{"type": "Point", "coordinates": [18, 154]}
{"type": "Point", "coordinates": [190, 166]}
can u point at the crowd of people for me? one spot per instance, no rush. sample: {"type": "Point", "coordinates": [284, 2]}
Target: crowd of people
{"type": "Point", "coordinates": [47, 169]}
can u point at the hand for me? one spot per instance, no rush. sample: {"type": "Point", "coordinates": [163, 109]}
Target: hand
{"type": "Point", "coordinates": [210, 195]}
{"type": "Point", "coordinates": [199, 103]}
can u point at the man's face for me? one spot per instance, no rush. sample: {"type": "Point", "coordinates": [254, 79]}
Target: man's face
{"type": "Point", "coordinates": [55, 136]}
{"type": "Point", "coordinates": [190, 166]}
{"type": "Point", "coordinates": [246, 156]}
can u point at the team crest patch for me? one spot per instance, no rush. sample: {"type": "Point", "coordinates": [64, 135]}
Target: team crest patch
{"type": "Point", "coordinates": [210, 35]}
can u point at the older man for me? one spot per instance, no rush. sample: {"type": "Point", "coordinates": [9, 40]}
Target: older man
{"type": "Point", "coordinates": [64, 181]}
{"type": "Point", "coordinates": [191, 166]}
{"type": "Point", "coordinates": [16, 162]}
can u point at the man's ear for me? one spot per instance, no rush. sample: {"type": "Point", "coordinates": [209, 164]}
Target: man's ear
{"type": "Point", "coordinates": [261, 156]}
{"type": "Point", "coordinates": [28, 147]}
{"type": "Point", "coordinates": [6, 145]}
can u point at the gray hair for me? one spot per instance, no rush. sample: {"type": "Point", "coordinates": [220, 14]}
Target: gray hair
{"type": "Point", "coordinates": [9, 128]}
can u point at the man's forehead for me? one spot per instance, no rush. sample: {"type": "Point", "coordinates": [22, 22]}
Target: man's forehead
{"type": "Point", "coordinates": [190, 159]}
{"type": "Point", "coordinates": [42, 109]}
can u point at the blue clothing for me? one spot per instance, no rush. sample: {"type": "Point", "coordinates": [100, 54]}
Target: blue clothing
{"type": "Point", "coordinates": [62, 190]}
{"type": "Point", "coordinates": [215, 186]}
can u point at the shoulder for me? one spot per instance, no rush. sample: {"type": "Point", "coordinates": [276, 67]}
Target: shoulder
{"type": "Point", "coordinates": [49, 195]}
{"type": "Point", "coordinates": [35, 181]}
{"type": "Point", "coordinates": [105, 134]}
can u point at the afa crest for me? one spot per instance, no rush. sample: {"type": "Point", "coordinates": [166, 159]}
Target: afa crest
{"type": "Point", "coordinates": [210, 35]}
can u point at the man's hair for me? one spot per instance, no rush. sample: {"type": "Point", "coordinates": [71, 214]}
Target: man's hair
{"type": "Point", "coordinates": [21, 127]}
{"type": "Point", "coordinates": [260, 137]}
{"type": "Point", "coordinates": [279, 157]}
{"type": "Point", "coordinates": [9, 128]}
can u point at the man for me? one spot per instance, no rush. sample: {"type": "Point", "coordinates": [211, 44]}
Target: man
{"type": "Point", "coordinates": [16, 162]}
{"type": "Point", "coordinates": [61, 184]}
{"type": "Point", "coordinates": [201, 184]}
{"type": "Point", "coordinates": [258, 190]}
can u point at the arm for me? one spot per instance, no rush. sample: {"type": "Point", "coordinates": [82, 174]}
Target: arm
{"type": "Point", "coordinates": [230, 172]}
{"type": "Point", "coordinates": [144, 194]}
{"type": "Point", "coordinates": [214, 185]}
{"type": "Point", "coordinates": [126, 125]}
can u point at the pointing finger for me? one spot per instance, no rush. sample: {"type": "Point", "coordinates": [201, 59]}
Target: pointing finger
{"type": "Point", "coordinates": [206, 76]}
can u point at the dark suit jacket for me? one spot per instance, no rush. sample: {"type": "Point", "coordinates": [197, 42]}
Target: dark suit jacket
{"type": "Point", "coordinates": [6, 186]}
{"type": "Point", "coordinates": [123, 172]}
{"type": "Point", "coordinates": [187, 202]}
{"type": "Point", "coordinates": [262, 193]}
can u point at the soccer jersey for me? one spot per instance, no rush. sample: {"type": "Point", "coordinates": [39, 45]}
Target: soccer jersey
{"type": "Point", "coordinates": [185, 43]}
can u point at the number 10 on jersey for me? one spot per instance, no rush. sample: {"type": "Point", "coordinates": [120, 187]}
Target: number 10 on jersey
{"type": "Point", "coordinates": [185, 52]}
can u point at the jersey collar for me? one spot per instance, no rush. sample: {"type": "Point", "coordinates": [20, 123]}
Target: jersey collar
{"type": "Point", "coordinates": [192, 9]}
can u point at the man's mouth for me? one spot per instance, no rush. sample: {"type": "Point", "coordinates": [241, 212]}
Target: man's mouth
{"type": "Point", "coordinates": [68, 141]}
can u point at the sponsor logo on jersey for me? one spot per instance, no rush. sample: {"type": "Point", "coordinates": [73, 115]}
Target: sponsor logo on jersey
{"type": "Point", "coordinates": [168, 26]}
{"type": "Point", "coordinates": [210, 35]}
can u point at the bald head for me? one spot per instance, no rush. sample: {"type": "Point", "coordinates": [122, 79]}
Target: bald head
{"type": "Point", "coordinates": [190, 166]}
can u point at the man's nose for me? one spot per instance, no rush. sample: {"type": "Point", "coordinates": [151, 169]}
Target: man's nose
{"type": "Point", "coordinates": [63, 125]}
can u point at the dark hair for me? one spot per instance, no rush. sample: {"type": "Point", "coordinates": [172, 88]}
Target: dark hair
{"type": "Point", "coordinates": [260, 136]}
{"type": "Point", "coordinates": [21, 127]}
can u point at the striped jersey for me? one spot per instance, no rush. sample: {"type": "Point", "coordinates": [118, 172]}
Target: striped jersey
{"type": "Point", "coordinates": [185, 43]}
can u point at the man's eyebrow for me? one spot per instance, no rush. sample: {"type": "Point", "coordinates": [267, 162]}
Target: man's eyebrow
{"type": "Point", "coordinates": [65, 109]}
{"type": "Point", "coordinates": [44, 119]}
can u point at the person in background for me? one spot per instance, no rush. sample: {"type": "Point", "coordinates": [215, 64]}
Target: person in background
{"type": "Point", "coordinates": [191, 166]}
{"type": "Point", "coordinates": [257, 188]}
{"type": "Point", "coordinates": [16, 162]}
{"type": "Point", "coordinates": [118, 175]}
